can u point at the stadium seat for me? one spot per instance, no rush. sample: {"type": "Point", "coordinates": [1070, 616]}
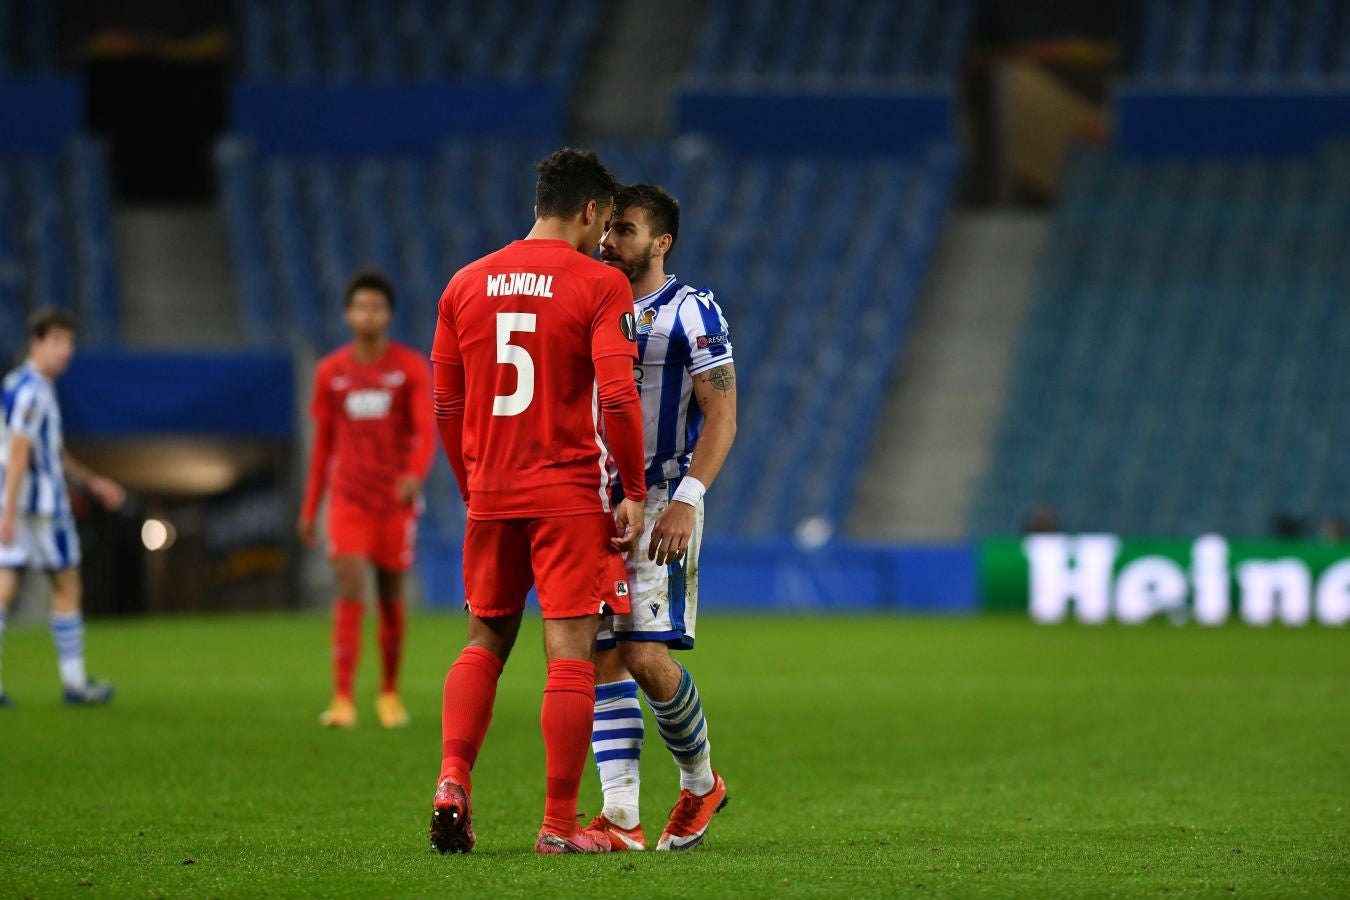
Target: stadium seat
{"type": "Point", "coordinates": [1260, 44]}
{"type": "Point", "coordinates": [56, 242]}
{"type": "Point", "coordinates": [819, 286]}
{"type": "Point", "coordinates": [831, 42]}
{"type": "Point", "coordinates": [340, 41]}
{"type": "Point", "coordinates": [1173, 374]}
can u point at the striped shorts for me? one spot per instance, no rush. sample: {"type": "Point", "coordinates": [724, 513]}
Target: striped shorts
{"type": "Point", "coordinates": [664, 598]}
{"type": "Point", "coordinates": [42, 542]}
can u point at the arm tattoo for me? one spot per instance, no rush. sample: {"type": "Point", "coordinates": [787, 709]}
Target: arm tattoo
{"type": "Point", "coordinates": [722, 378]}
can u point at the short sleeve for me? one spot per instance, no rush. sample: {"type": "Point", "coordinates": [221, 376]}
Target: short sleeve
{"type": "Point", "coordinates": [705, 328]}
{"type": "Point", "coordinates": [25, 415]}
{"type": "Point", "coordinates": [445, 346]}
{"type": "Point", "coordinates": [614, 330]}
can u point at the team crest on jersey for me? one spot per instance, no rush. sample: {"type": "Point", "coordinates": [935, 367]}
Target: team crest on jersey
{"type": "Point", "coordinates": [393, 379]}
{"type": "Point", "coordinates": [621, 589]}
{"type": "Point", "coordinates": [626, 326]}
{"type": "Point", "coordinates": [646, 322]}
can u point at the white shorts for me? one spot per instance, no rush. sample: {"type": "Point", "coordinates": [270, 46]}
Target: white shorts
{"type": "Point", "coordinates": [664, 598]}
{"type": "Point", "coordinates": [42, 542]}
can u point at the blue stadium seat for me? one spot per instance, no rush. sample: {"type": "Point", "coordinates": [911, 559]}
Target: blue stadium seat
{"type": "Point", "coordinates": [1174, 373]}
{"type": "Point", "coordinates": [831, 42]}
{"type": "Point", "coordinates": [1244, 43]}
{"type": "Point", "coordinates": [823, 284]}
{"type": "Point", "coordinates": [341, 41]}
{"type": "Point", "coordinates": [56, 242]}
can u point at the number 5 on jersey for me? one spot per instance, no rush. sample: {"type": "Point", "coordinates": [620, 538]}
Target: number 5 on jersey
{"type": "Point", "coordinates": [509, 354]}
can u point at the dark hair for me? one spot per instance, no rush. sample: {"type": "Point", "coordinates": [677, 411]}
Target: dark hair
{"type": "Point", "coordinates": [568, 180]}
{"type": "Point", "coordinates": [663, 210]}
{"type": "Point", "coordinates": [43, 321]}
{"type": "Point", "coordinates": [369, 278]}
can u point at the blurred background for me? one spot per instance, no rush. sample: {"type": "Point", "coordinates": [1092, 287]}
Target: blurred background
{"type": "Point", "coordinates": [993, 268]}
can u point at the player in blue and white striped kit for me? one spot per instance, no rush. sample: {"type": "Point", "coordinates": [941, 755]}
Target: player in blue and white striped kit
{"type": "Point", "coordinates": [36, 526]}
{"type": "Point", "coordinates": [687, 381]}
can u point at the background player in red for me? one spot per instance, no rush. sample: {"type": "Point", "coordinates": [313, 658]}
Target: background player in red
{"type": "Point", "coordinates": [533, 342]}
{"type": "Point", "coordinates": [373, 443]}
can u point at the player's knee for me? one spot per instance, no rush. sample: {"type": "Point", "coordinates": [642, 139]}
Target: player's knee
{"type": "Point", "coordinates": [351, 577]}
{"type": "Point", "coordinates": [497, 634]}
{"type": "Point", "coordinates": [609, 667]}
{"type": "Point", "coordinates": [647, 660]}
{"type": "Point", "coordinates": [571, 638]}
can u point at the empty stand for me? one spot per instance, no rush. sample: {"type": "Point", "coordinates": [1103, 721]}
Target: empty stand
{"type": "Point", "coordinates": [56, 241]}
{"type": "Point", "coordinates": [1180, 367]}
{"type": "Point", "coordinates": [1243, 43]}
{"type": "Point", "coordinates": [415, 40]}
{"type": "Point", "coordinates": [816, 265]}
{"type": "Point", "coordinates": [759, 43]}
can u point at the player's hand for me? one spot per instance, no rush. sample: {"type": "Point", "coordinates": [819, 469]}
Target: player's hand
{"type": "Point", "coordinates": [407, 488]}
{"type": "Point", "coordinates": [107, 492]}
{"type": "Point", "coordinates": [308, 535]}
{"type": "Point", "coordinates": [6, 531]}
{"type": "Point", "coordinates": [630, 518]}
{"type": "Point", "coordinates": [670, 535]}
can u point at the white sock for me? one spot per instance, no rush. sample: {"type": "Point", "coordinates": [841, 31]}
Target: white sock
{"type": "Point", "coordinates": [68, 635]}
{"type": "Point", "coordinates": [685, 731]}
{"type": "Point", "coordinates": [616, 739]}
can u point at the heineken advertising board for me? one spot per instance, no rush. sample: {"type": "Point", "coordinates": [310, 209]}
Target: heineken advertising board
{"type": "Point", "coordinates": [1095, 578]}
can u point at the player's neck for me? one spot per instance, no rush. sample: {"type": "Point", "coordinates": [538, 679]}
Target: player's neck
{"type": "Point", "coordinates": [649, 283]}
{"type": "Point", "coordinates": [555, 230]}
{"type": "Point", "coordinates": [37, 367]}
{"type": "Point", "coordinates": [367, 350]}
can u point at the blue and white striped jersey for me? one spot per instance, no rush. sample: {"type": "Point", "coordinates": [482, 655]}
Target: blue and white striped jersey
{"type": "Point", "coordinates": [31, 410]}
{"type": "Point", "coordinates": [680, 332]}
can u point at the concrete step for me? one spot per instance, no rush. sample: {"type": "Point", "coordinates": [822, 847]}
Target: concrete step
{"type": "Point", "coordinates": [932, 446]}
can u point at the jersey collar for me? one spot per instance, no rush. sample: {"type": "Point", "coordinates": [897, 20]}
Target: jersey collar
{"type": "Point", "coordinates": [31, 367]}
{"type": "Point", "coordinates": [665, 284]}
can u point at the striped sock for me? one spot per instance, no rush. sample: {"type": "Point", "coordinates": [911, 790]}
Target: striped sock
{"type": "Point", "coordinates": [68, 635]}
{"type": "Point", "coordinates": [685, 731]}
{"type": "Point", "coordinates": [616, 739]}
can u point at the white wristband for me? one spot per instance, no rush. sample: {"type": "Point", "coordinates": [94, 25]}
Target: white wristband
{"type": "Point", "coordinates": [690, 491]}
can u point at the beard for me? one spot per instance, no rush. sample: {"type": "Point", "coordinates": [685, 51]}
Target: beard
{"type": "Point", "coordinates": [633, 269]}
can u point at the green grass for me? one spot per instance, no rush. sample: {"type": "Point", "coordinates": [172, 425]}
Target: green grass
{"type": "Point", "coordinates": [865, 756]}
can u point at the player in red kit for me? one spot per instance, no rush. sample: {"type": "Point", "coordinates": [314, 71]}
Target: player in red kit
{"type": "Point", "coordinates": [374, 438]}
{"type": "Point", "coordinates": [534, 357]}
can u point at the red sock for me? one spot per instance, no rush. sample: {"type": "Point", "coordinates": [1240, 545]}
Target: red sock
{"type": "Point", "coordinates": [466, 710]}
{"type": "Point", "coordinates": [346, 644]}
{"type": "Point", "coordinates": [566, 719]}
{"type": "Point", "coordinates": [393, 625]}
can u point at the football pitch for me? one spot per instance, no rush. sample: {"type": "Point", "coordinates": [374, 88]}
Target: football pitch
{"type": "Point", "coordinates": [864, 757]}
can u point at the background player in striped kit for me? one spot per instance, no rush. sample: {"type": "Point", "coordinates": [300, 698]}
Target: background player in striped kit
{"type": "Point", "coordinates": [36, 525]}
{"type": "Point", "coordinates": [374, 440]}
{"type": "Point", "coordinates": [687, 381]}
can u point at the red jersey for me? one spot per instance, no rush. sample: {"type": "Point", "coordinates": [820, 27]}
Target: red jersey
{"type": "Point", "coordinates": [527, 324]}
{"type": "Point", "coordinates": [372, 424]}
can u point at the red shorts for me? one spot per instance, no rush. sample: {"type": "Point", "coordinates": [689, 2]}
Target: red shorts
{"type": "Point", "coordinates": [387, 541]}
{"type": "Point", "coordinates": [568, 557]}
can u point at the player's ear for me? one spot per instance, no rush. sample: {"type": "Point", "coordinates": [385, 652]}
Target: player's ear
{"type": "Point", "coordinates": [663, 244]}
{"type": "Point", "coordinates": [589, 211]}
